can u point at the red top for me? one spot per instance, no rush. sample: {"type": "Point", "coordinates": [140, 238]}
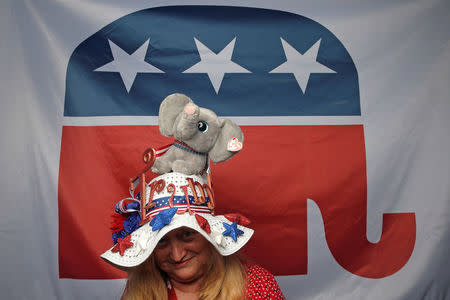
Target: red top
{"type": "Point", "coordinates": [261, 284]}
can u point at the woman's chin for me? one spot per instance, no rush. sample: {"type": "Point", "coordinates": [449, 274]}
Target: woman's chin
{"type": "Point", "coordinates": [186, 274]}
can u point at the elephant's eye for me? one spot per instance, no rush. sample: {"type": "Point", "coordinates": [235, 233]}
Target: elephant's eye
{"type": "Point", "coordinates": [202, 126]}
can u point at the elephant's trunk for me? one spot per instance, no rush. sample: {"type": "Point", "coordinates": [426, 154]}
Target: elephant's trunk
{"type": "Point", "coordinates": [186, 126]}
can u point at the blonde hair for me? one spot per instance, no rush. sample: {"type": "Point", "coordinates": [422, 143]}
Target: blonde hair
{"type": "Point", "coordinates": [225, 279]}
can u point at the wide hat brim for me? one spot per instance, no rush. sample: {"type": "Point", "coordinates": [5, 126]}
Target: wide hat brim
{"type": "Point", "coordinates": [144, 239]}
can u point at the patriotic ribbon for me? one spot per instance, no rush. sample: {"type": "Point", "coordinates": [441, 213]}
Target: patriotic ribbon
{"type": "Point", "coordinates": [180, 203]}
{"type": "Point", "coordinates": [127, 205]}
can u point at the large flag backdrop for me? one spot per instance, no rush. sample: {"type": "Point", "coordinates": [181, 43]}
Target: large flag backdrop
{"type": "Point", "coordinates": [345, 166]}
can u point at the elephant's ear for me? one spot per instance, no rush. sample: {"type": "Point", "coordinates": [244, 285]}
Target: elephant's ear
{"type": "Point", "coordinates": [228, 143]}
{"type": "Point", "coordinates": [169, 109]}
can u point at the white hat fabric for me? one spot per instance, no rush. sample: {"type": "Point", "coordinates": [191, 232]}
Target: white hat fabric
{"type": "Point", "coordinates": [223, 232]}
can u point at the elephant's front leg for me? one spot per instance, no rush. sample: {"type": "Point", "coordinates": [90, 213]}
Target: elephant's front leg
{"type": "Point", "coordinates": [163, 164]}
{"type": "Point", "coordinates": [190, 166]}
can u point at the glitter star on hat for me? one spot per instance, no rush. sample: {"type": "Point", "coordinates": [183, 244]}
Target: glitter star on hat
{"type": "Point", "coordinates": [163, 218]}
{"type": "Point", "coordinates": [232, 231]}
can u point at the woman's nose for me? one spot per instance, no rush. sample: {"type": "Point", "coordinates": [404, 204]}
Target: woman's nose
{"type": "Point", "coordinates": [177, 251]}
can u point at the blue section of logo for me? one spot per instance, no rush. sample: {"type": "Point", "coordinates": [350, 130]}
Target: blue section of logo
{"type": "Point", "coordinates": [237, 61]}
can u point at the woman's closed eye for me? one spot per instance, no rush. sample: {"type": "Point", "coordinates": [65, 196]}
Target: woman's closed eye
{"type": "Point", "coordinates": [162, 243]}
{"type": "Point", "coordinates": [188, 235]}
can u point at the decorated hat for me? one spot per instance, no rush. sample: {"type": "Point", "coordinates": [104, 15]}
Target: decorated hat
{"type": "Point", "coordinates": [168, 202]}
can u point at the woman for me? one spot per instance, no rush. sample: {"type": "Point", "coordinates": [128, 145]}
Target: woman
{"type": "Point", "coordinates": [186, 252]}
{"type": "Point", "coordinates": [184, 265]}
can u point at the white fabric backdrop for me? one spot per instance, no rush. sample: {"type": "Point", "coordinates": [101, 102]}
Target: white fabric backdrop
{"type": "Point", "coordinates": [401, 50]}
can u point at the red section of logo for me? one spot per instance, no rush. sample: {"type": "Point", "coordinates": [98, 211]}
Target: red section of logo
{"type": "Point", "coordinates": [267, 182]}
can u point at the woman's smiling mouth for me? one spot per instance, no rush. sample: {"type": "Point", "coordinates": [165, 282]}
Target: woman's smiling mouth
{"type": "Point", "coordinates": [182, 263]}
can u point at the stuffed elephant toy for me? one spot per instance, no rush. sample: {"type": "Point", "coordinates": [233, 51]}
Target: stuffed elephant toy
{"type": "Point", "coordinates": [199, 136]}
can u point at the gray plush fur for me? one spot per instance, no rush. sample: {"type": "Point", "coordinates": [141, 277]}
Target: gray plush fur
{"type": "Point", "coordinates": [179, 117]}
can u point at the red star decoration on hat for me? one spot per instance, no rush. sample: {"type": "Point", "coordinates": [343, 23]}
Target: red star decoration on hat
{"type": "Point", "coordinates": [122, 245]}
{"type": "Point", "coordinates": [238, 218]}
{"type": "Point", "coordinates": [203, 223]}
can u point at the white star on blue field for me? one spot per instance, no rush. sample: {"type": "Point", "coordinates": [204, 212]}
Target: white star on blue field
{"type": "Point", "coordinates": [128, 65]}
{"type": "Point", "coordinates": [216, 65]}
{"type": "Point", "coordinates": [301, 65]}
